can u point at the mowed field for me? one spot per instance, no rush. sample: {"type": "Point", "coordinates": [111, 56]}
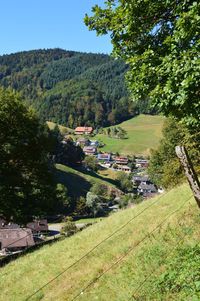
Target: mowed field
{"type": "Point", "coordinates": [143, 133]}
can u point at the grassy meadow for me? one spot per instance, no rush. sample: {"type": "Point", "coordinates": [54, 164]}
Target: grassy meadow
{"type": "Point", "coordinates": [143, 133]}
{"type": "Point", "coordinates": [63, 129]}
{"type": "Point", "coordinates": [144, 260]}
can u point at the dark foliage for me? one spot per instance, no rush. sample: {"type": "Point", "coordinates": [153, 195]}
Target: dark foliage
{"type": "Point", "coordinates": [71, 88]}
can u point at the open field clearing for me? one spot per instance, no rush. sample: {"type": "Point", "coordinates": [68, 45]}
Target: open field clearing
{"type": "Point", "coordinates": [143, 133]}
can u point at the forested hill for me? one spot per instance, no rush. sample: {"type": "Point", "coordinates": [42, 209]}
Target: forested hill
{"type": "Point", "coordinates": [70, 88]}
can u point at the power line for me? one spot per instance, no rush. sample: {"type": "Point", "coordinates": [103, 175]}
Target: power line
{"type": "Point", "coordinates": [23, 229]}
{"type": "Point", "coordinates": [96, 246]}
{"type": "Point", "coordinates": [127, 253]}
{"type": "Point", "coordinates": [153, 271]}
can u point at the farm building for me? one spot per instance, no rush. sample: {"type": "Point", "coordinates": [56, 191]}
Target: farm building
{"type": "Point", "coordinates": [38, 226]}
{"type": "Point", "coordinates": [141, 163]}
{"type": "Point", "coordinates": [83, 130]}
{"type": "Point", "coordinates": [94, 143]}
{"type": "Point", "coordinates": [123, 168]}
{"type": "Point", "coordinates": [83, 142]}
{"type": "Point", "coordinates": [5, 225]}
{"type": "Point", "coordinates": [16, 239]}
{"type": "Point", "coordinates": [147, 189]}
{"type": "Point", "coordinates": [104, 157]}
{"type": "Point", "coordinates": [121, 160]}
{"type": "Point", "coordinates": [140, 179]}
{"type": "Point", "coordinates": [90, 150]}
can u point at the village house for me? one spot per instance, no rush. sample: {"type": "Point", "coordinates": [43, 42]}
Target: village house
{"type": "Point", "coordinates": [121, 160]}
{"type": "Point", "coordinates": [94, 143]}
{"type": "Point", "coordinates": [38, 226]}
{"type": "Point", "coordinates": [16, 239]}
{"type": "Point", "coordinates": [90, 150]}
{"type": "Point", "coordinates": [123, 168]}
{"type": "Point", "coordinates": [83, 130]}
{"type": "Point", "coordinates": [147, 189]}
{"type": "Point", "coordinates": [5, 225]}
{"type": "Point", "coordinates": [140, 179]}
{"type": "Point", "coordinates": [141, 163]}
{"type": "Point", "coordinates": [83, 142]}
{"type": "Point", "coordinates": [105, 157]}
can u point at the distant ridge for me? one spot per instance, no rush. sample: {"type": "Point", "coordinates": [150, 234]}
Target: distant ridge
{"type": "Point", "coordinates": [70, 88]}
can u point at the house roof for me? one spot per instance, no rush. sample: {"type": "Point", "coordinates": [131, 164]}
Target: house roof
{"type": "Point", "coordinates": [121, 158]}
{"type": "Point", "coordinates": [38, 225]}
{"type": "Point", "coordinates": [16, 238]}
{"type": "Point", "coordinates": [149, 187]}
{"type": "Point", "coordinates": [104, 156]}
{"type": "Point", "coordinates": [83, 129]}
{"type": "Point", "coordinates": [141, 178]}
{"type": "Point", "coordinates": [89, 149]}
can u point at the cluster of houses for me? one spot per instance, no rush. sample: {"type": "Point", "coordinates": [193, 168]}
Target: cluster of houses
{"type": "Point", "coordinates": [118, 163]}
{"type": "Point", "coordinates": [144, 186]}
{"type": "Point", "coordinates": [14, 239]}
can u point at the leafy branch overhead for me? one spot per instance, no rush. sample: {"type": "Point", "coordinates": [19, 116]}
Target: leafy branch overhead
{"type": "Point", "coordinates": [160, 42]}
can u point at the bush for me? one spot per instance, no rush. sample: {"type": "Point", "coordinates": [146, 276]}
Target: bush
{"type": "Point", "coordinates": [69, 227]}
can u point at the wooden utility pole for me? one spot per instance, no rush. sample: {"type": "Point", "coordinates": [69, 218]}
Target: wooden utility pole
{"type": "Point", "coordinates": [189, 172]}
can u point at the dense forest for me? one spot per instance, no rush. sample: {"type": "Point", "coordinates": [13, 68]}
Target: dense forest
{"type": "Point", "coordinates": [71, 88]}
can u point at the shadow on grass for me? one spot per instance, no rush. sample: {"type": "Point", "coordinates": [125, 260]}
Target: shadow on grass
{"type": "Point", "coordinates": [95, 175]}
{"type": "Point", "coordinates": [77, 186]}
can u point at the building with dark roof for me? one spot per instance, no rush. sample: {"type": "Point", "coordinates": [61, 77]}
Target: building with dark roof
{"type": "Point", "coordinates": [147, 189]}
{"type": "Point", "coordinates": [38, 226]}
{"type": "Point", "coordinates": [16, 239]}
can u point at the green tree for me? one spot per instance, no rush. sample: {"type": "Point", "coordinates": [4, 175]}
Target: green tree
{"type": "Point", "coordinates": [91, 162]}
{"type": "Point", "coordinates": [160, 42]}
{"type": "Point", "coordinates": [164, 168]}
{"type": "Point", "coordinates": [124, 181]}
{"type": "Point", "coordinates": [99, 189]}
{"type": "Point", "coordinates": [27, 187]}
{"type": "Point", "coordinates": [93, 202]}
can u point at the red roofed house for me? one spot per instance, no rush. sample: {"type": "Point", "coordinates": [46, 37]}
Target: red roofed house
{"type": "Point", "coordinates": [121, 160]}
{"type": "Point", "coordinates": [81, 130]}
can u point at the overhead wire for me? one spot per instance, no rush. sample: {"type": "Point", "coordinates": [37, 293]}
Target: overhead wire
{"type": "Point", "coordinates": [127, 253]}
{"type": "Point", "coordinates": [97, 245]}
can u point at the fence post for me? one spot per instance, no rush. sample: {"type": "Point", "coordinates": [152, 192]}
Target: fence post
{"type": "Point", "coordinates": [190, 173]}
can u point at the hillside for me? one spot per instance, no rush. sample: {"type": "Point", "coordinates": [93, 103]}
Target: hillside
{"type": "Point", "coordinates": [129, 261]}
{"type": "Point", "coordinates": [143, 133]}
{"type": "Point", "coordinates": [79, 182]}
{"type": "Point", "coordinates": [68, 87]}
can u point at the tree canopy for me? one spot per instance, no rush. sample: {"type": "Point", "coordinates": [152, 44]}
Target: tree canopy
{"type": "Point", "coordinates": [165, 169]}
{"type": "Point", "coordinates": [160, 40]}
{"type": "Point", "coordinates": [27, 186]}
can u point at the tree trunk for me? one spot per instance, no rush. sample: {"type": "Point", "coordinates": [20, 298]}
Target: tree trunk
{"type": "Point", "coordinates": [189, 172]}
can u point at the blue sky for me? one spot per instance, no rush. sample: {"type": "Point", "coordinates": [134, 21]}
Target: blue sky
{"type": "Point", "coordinates": [34, 24]}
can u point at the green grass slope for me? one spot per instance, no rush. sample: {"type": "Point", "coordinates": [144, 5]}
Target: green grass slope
{"type": "Point", "coordinates": [143, 132]}
{"type": "Point", "coordinates": [118, 266]}
{"type": "Point", "coordinates": [80, 181]}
